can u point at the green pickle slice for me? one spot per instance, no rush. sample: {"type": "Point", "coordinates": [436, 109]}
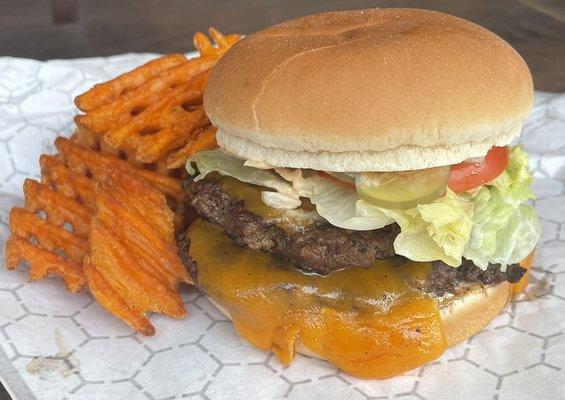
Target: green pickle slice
{"type": "Point", "coordinates": [402, 190]}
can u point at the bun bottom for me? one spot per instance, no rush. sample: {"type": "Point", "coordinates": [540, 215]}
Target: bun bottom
{"type": "Point", "coordinates": [463, 314]}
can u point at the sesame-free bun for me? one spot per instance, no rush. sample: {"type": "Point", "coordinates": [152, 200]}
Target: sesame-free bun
{"type": "Point", "coordinates": [462, 315]}
{"type": "Point", "coordinates": [370, 90]}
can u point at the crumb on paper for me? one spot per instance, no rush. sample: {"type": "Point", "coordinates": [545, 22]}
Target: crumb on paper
{"type": "Point", "coordinates": [63, 363]}
{"type": "Point", "coordinates": [538, 288]}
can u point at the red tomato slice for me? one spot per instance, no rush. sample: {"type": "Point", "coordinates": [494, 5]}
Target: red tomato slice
{"type": "Point", "coordinates": [469, 175]}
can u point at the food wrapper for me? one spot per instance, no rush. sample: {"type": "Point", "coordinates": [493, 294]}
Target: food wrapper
{"type": "Point", "coordinates": [56, 345]}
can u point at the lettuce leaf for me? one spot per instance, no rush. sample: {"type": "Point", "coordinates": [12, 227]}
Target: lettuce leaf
{"type": "Point", "coordinates": [505, 230]}
{"type": "Point", "coordinates": [489, 225]}
{"type": "Point", "coordinates": [435, 231]}
{"type": "Point", "coordinates": [341, 206]}
{"type": "Point", "coordinates": [228, 165]}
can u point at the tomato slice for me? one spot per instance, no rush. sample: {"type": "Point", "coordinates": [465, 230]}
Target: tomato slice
{"type": "Point", "coordinates": [469, 175]}
{"type": "Point", "coordinates": [464, 176]}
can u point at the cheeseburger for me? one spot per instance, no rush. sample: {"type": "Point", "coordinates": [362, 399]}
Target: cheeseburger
{"type": "Point", "coordinates": [365, 204]}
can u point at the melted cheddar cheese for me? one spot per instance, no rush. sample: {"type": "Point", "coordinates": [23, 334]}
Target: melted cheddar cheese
{"type": "Point", "coordinates": [289, 220]}
{"type": "Point", "coordinates": [371, 323]}
{"type": "Point", "coordinates": [523, 283]}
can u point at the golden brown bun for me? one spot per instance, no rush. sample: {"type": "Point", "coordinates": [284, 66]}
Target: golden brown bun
{"type": "Point", "coordinates": [379, 89]}
{"type": "Point", "coordinates": [463, 315]}
{"type": "Point", "coordinates": [471, 310]}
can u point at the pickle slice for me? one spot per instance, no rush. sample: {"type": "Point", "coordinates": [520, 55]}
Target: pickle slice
{"type": "Point", "coordinates": [402, 190]}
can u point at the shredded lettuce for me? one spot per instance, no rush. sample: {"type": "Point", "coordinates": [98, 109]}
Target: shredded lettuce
{"type": "Point", "coordinates": [505, 230]}
{"type": "Point", "coordinates": [228, 165]}
{"type": "Point", "coordinates": [435, 231]}
{"type": "Point", "coordinates": [341, 206]}
{"type": "Point", "coordinates": [491, 225]}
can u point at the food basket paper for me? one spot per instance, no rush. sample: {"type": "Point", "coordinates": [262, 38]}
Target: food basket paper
{"type": "Point", "coordinates": [56, 345]}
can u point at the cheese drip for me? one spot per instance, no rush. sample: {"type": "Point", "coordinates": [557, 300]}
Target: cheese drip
{"type": "Point", "coordinates": [371, 323]}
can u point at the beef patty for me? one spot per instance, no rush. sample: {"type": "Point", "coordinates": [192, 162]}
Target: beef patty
{"type": "Point", "coordinates": [445, 279]}
{"type": "Point", "coordinates": [322, 248]}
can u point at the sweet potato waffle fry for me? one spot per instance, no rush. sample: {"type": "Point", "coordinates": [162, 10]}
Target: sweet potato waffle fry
{"type": "Point", "coordinates": [51, 234]}
{"type": "Point", "coordinates": [142, 125]}
{"type": "Point", "coordinates": [133, 266]}
{"type": "Point", "coordinates": [151, 113]}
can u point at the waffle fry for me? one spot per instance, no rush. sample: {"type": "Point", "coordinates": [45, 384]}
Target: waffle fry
{"type": "Point", "coordinates": [217, 48]}
{"type": "Point", "coordinates": [104, 93]}
{"type": "Point", "coordinates": [133, 266]}
{"type": "Point", "coordinates": [113, 192]}
{"type": "Point", "coordinates": [205, 140]}
{"type": "Point", "coordinates": [153, 111]}
{"type": "Point", "coordinates": [51, 234]}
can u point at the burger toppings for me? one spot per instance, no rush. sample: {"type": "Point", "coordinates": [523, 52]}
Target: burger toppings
{"type": "Point", "coordinates": [488, 224]}
{"type": "Point", "coordinates": [402, 190]}
{"type": "Point", "coordinates": [311, 244]}
{"type": "Point", "coordinates": [476, 172]}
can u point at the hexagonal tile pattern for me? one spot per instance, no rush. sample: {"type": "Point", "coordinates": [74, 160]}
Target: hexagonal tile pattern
{"type": "Point", "coordinates": [61, 302]}
{"type": "Point", "coordinates": [539, 383]}
{"type": "Point", "coordinates": [303, 368]}
{"type": "Point", "coordinates": [543, 319]}
{"type": "Point", "coordinates": [10, 310]}
{"type": "Point", "coordinates": [555, 351]}
{"type": "Point", "coordinates": [546, 208]}
{"type": "Point", "coordinates": [544, 187]}
{"type": "Point", "coordinates": [167, 336]}
{"type": "Point", "coordinates": [190, 371]}
{"type": "Point", "coordinates": [36, 335]}
{"type": "Point", "coordinates": [49, 383]}
{"type": "Point", "coordinates": [504, 350]}
{"type": "Point", "coordinates": [106, 391]}
{"type": "Point", "coordinates": [98, 323]}
{"type": "Point", "coordinates": [58, 346]}
{"type": "Point", "coordinates": [386, 388]}
{"type": "Point", "coordinates": [260, 383]}
{"type": "Point", "coordinates": [559, 286]}
{"type": "Point", "coordinates": [104, 360]}
{"type": "Point", "coordinates": [222, 341]}
{"type": "Point", "coordinates": [473, 382]}
{"type": "Point", "coordinates": [330, 388]}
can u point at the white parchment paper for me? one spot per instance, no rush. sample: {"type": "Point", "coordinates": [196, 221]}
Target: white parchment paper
{"type": "Point", "coordinates": [55, 345]}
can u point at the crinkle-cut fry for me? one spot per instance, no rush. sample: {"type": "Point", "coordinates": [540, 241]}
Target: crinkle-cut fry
{"type": "Point", "coordinates": [150, 239]}
{"type": "Point", "coordinates": [106, 295]}
{"type": "Point", "coordinates": [106, 92]}
{"type": "Point", "coordinates": [50, 233]}
{"type": "Point", "coordinates": [109, 116]}
{"type": "Point", "coordinates": [77, 186]}
{"type": "Point", "coordinates": [164, 125]}
{"type": "Point", "coordinates": [58, 209]}
{"type": "Point", "coordinates": [133, 266]}
{"type": "Point", "coordinates": [48, 236]}
{"type": "Point", "coordinates": [205, 46]}
{"type": "Point", "coordinates": [92, 140]}
{"type": "Point", "coordinates": [204, 140]}
{"type": "Point", "coordinates": [156, 223]}
{"type": "Point", "coordinates": [43, 263]}
{"type": "Point", "coordinates": [151, 148]}
{"type": "Point", "coordinates": [89, 162]}
{"type": "Point", "coordinates": [143, 291]}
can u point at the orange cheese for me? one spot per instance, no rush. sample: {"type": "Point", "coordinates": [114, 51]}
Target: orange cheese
{"type": "Point", "coordinates": [371, 323]}
{"type": "Point", "coordinates": [521, 285]}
